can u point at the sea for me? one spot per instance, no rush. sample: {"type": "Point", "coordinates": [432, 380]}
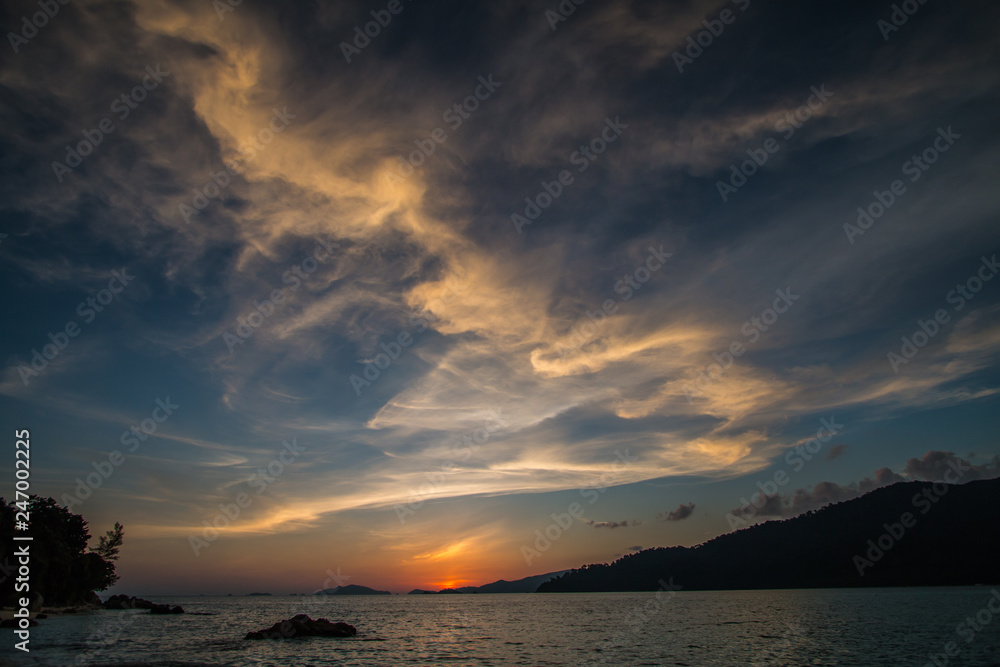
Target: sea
{"type": "Point", "coordinates": [934, 627]}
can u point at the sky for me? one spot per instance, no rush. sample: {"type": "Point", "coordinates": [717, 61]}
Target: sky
{"type": "Point", "coordinates": [420, 295]}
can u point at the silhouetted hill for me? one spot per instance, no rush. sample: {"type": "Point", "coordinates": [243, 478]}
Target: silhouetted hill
{"type": "Point", "coordinates": [953, 539]}
{"type": "Point", "coordinates": [526, 585]}
{"type": "Point", "coordinates": [351, 589]}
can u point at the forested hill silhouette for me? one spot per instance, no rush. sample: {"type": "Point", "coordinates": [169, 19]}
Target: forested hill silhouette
{"type": "Point", "coordinates": [907, 534]}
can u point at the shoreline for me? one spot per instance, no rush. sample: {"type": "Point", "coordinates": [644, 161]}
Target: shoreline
{"type": "Point", "coordinates": [7, 613]}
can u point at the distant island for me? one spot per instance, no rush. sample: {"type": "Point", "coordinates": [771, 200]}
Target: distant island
{"type": "Point", "coordinates": [249, 595]}
{"type": "Point", "coordinates": [907, 534]}
{"type": "Point", "coordinates": [351, 589]}
{"type": "Point", "coordinates": [526, 585]}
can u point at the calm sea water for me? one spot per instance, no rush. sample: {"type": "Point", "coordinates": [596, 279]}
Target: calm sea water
{"type": "Point", "coordinates": [814, 627]}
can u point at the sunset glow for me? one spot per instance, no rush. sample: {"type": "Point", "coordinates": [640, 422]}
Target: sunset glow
{"type": "Point", "coordinates": [494, 296]}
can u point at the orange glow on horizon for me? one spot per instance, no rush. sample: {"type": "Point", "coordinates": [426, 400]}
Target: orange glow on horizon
{"type": "Point", "coordinates": [450, 583]}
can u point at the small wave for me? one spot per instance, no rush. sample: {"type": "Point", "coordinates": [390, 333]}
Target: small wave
{"type": "Point", "coordinates": [169, 663]}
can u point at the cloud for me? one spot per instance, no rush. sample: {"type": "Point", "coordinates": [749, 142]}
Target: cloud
{"type": "Point", "coordinates": [835, 452]}
{"type": "Point", "coordinates": [932, 466]}
{"type": "Point", "coordinates": [501, 313]}
{"type": "Point", "coordinates": [613, 524]}
{"type": "Point", "coordinates": [682, 512]}
{"type": "Point", "coordinates": [883, 477]}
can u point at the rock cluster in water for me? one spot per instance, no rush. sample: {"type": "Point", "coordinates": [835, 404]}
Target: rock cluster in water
{"type": "Point", "coordinates": [303, 626]}
{"type": "Point", "coordinates": [166, 609]}
{"type": "Point", "coordinates": [126, 602]}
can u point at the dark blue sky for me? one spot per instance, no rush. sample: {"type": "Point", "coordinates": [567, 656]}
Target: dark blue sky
{"type": "Point", "coordinates": [484, 269]}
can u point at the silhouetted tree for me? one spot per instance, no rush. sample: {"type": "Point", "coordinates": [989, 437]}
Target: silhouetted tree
{"type": "Point", "coordinates": [109, 543]}
{"type": "Point", "coordinates": [63, 571]}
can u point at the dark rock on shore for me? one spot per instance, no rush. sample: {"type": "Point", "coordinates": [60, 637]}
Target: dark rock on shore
{"type": "Point", "coordinates": [126, 602]}
{"type": "Point", "coordinates": [166, 609]}
{"type": "Point", "coordinates": [303, 626]}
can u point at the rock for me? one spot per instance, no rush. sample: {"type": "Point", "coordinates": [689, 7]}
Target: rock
{"type": "Point", "coordinates": [303, 626]}
{"type": "Point", "coordinates": [126, 602]}
{"type": "Point", "coordinates": [166, 609]}
{"type": "Point", "coordinates": [115, 602]}
{"type": "Point", "coordinates": [15, 623]}
{"type": "Point", "coordinates": [40, 615]}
